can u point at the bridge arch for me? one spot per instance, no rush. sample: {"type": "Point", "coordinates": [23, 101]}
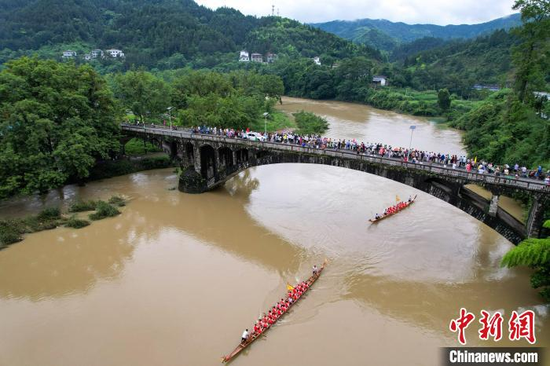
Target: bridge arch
{"type": "Point", "coordinates": [206, 171]}
{"type": "Point", "coordinates": [208, 162]}
{"type": "Point", "coordinates": [226, 158]}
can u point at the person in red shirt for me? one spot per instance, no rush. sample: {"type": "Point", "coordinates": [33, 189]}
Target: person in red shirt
{"type": "Point", "coordinates": [258, 328]}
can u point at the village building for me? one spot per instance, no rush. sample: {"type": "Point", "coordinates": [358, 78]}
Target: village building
{"type": "Point", "coordinates": [69, 54]}
{"type": "Point", "coordinates": [244, 56]}
{"type": "Point", "coordinates": [380, 80]}
{"type": "Point", "coordinates": [317, 60]}
{"type": "Point", "coordinates": [96, 53]}
{"type": "Point", "coordinates": [115, 53]}
{"type": "Point", "coordinates": [256, 57]}
{"type": "Point", "coordinates": [490, 87]}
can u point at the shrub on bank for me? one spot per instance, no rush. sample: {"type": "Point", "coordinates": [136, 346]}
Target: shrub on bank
{"type": "Point", "coordinates": [117, 201]}
{"type": "Point", "coordinates": [83, 206]}
{"type": "Point", "coordinates": [104, 210]}
{"type": "Point", "coordinates": [76, 223]}
{"type": "Point", "coordinates": [9, 233]}
{"type": "Point", "coordinates": [309, 123]}
{"type": "Point", "coordinates": [12, 230]}
{"type": "Point", "coordinates": [50, 213]}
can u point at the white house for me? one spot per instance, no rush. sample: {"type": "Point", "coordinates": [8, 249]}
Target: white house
{"type": "Point", "coordinates": [69, 54]}
{"type": "Point", "coordinates": [256, 57]}
{"type": "Point", "coordinates": [317, 60]}
{"type": "Point", "coordinates": [96, 53]}
{"type": "Point", "coordinates": [244, 57]}
{"type": "Point", "coordinates": [380, 79]}
{"type": "Point", "coordinates": [115, 53]}
{"type": "Point", "coordinates": [490, 87]}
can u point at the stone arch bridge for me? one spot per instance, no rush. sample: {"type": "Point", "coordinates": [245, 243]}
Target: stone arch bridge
{"type": "Point", "coordinates": [208, 161]}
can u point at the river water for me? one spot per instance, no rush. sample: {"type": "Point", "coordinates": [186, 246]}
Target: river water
{"type": "Point", "coordinates": [176, 278]}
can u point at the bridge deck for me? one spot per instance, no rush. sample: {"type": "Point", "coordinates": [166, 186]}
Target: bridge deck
{"type": "Point", "coordinates": [434, 168]}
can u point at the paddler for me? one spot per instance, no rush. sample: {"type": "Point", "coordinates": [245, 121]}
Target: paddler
{"type": "Point", "coordinates": [245, 335]}
{"type": "Point", "coordinates": [315, 269]}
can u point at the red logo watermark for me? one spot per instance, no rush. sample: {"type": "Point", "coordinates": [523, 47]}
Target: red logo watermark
{"type": "Point", "coordinates": [519, 326]}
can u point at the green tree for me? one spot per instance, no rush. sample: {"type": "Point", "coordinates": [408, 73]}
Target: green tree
{"type": "Point", "coordinates": [56, 120]}
{"type": "Point", "coordinates": [444, 99]}
{"type": "Point", "coordinates": [142, 93]}
{"type": "Point", "coordinates": [533, 253]}
{"type": "Point", "coordinates": [532, 56]}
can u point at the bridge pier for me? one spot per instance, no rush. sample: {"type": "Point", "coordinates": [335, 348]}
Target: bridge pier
{"type": "Point", "coordinates": [536, 216]}
{"type": "Point", "coordinates": [493, 206]}
{"type": "Point", "coordinates": [190, 181]}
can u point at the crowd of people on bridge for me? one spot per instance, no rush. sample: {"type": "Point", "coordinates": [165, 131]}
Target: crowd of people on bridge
{"type": "Point", "coordinates": [386, 151]}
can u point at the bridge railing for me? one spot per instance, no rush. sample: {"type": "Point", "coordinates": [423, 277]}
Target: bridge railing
{"type": "Point", "coordinates": [474, 177]}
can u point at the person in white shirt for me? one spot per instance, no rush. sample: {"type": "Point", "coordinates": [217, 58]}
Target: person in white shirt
{"type": "Point", "coordinates": [244, 337]}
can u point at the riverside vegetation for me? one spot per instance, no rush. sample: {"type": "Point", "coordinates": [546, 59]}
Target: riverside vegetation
{"type": "Point", "coordinates": [12, 230]}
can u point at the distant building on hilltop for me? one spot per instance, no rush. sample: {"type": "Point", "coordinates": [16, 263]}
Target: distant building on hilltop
{"type": "Point", "coordinates": [490, 87]}
{"type": "Point", "coordinates": [96, 53]}
{"type": "Point", "coordinates": [244, 56]}
{"type": "Point", "coordinates": [317, 60]}
{"type": "Point", "coordinates": [256, 57]}
{"type": "Point", "coordinates": [69, 54]}
{"type": "Point", "coordinates": [380, 80]}
{"type": "Point", "coordinates": [115, 53]}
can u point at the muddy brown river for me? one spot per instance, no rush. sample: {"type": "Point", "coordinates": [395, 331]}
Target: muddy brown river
{"type": "Point", "coordinates": [176, 278]}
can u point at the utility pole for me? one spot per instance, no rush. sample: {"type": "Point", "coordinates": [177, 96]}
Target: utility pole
{"type": "Point", "coordinates": [265, 124]}
{"type": "Point", "coordinates": [170, 116]}
{"type": "Point", "coordinates": [413, 127]}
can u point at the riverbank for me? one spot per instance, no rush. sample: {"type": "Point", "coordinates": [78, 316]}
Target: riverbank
{"type": "Point", "coordinates": [418, 103]}
{"type": "Point", "coordinates": [12, 230]}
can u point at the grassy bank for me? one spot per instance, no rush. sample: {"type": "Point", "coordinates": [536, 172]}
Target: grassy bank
{"type": "Point", "coordinates": [12, 230]}
{"type": "Point", "coordinates": [417, 103]}
{"type": "Point", "coordinates": [276, 121]}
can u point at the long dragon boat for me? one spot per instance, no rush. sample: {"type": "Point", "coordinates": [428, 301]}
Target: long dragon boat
{"type": "Point", "coordinates": [255, 336]}
{"type": "Point", "coordinates": [407, 204]}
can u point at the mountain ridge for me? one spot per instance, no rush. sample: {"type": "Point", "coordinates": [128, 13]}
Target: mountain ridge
{"type": "Point", "coordinates": [360, 31]}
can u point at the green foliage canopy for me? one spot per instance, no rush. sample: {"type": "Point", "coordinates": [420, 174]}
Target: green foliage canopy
{"type": "Point", "coordinates": [55, 121]}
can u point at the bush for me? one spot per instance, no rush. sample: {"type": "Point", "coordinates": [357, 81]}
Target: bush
{"type": "Point", "coordinates": [82, 206]}
{"type": "Point", "coordinates": [309, 123]}
{"type": "Point", "coordinates": [50, 213]}
{"type": "Point", "coordinates": [117, 201]}
{"type": "Point", "coordinates": [76, 223]}
{"type": "Point", "coordinates": [9, 233]}
{"type": "Point", "coordinates": [103, 210]}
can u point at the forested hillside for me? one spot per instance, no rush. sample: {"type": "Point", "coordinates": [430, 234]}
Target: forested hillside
{"type": "Point", "coordinates": [158, 33]}
{"type": "Point", "coordinates": [459, 65]}
{"type": "Point", "coordinates": [385, 35]}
